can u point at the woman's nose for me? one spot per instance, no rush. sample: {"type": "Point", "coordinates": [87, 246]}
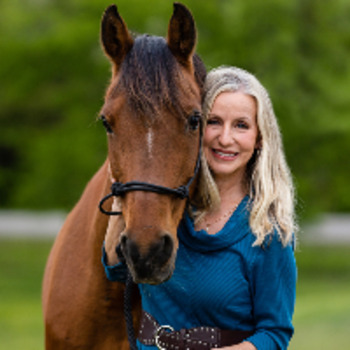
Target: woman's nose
{"type": "Point", "coordinates": [226, 137]}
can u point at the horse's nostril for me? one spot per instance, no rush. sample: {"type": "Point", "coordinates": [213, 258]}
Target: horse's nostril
{"type": "Point", "coordinates": [168, 245]}
{"type": "Point", "coordinates": [130, 250]}
{"type": "Point", "coordinates": [163, 250]}
{"type": "Point", "coordinates": [120, 248]}
{"type": "Point", "coordinates": [123, 241]}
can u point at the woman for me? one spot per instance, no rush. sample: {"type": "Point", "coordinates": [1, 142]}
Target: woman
{"type": "Point", "coordinates": [235, 267]}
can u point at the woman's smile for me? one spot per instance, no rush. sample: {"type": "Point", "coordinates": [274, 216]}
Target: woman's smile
{"type": "Point", "coordinates": [224, 155]}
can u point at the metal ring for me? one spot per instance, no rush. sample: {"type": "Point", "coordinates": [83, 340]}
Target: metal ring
{"type": "Point", "coordinates": [157, 335]}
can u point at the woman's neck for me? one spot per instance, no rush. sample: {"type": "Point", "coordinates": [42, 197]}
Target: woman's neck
{"type": "Point", "coordinates": [232, 190]}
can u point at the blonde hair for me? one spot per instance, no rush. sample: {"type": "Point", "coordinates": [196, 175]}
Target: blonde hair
{"type": "Point", "coordinates": [268, 176]}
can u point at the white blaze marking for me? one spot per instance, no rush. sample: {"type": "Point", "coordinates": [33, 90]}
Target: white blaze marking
{"type": "Point", "coordinates": [150, 142]}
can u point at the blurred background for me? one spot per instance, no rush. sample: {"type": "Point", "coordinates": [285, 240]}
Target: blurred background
{"type": "Point", "coordinates": [53, 78]}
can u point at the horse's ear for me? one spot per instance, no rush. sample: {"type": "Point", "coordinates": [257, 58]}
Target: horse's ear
{"type": "Point", "coordinates": [115, 37]}
{"type": "Point", "coordinates": [182, 34]}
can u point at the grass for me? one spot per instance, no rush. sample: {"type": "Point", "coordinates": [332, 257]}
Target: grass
{"type": "Point", "coordinates": [22, 264]}
{"type": "Point", "coordinates": [322, 316]}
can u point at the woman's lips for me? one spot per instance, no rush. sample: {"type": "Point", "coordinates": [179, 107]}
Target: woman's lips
{"type": "Point", "coordinates": [224, 155]}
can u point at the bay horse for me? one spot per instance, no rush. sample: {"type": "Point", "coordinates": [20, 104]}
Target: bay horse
{"type": "Point", "coordinates": [151, 115]}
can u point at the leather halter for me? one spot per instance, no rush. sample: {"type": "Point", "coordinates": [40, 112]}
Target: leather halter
{"type": "Point", "coordinates": [118, 189]}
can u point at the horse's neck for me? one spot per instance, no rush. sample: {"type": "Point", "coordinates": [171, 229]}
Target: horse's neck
{"type": "Point", "coordinates": [97, 222]}
{"type": "Point", "coordinates": [86, 226]}
{"type": "Point", "coordinates": [77, 297]}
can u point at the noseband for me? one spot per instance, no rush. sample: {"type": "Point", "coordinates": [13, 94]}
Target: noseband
{"type": "Point", "coordinates": [118, 189]}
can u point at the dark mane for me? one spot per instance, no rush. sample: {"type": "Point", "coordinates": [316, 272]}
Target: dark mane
{"type": "Point", "coordinates": [150, 76]}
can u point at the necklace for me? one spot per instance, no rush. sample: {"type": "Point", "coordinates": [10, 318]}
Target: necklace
{"type": "Point", "coordinates": [225, 215]}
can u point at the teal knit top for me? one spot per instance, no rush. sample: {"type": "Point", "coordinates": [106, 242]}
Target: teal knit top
{"type": "Point", "coordinates": [223, 281]}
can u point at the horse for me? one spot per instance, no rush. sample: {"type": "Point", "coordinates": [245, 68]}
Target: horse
{"type": "Point", "coordinates": [151, 114]}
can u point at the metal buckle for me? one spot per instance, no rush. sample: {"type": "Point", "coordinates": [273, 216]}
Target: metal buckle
{"type": "Point", "coordinates": [157, 335]}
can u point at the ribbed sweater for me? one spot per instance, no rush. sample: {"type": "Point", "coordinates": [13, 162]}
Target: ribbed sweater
{"type": "Point", "coordinates": [223, 281]}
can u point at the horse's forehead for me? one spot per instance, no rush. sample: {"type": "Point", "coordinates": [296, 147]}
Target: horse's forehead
{"type": "Point", "coordinates": [151, 81]}
{"type": "Point", "coordinates": [120, 109]}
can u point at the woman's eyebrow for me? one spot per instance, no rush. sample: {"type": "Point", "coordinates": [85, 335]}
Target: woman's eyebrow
{"type": "Point", "coordinates": [212, 115]}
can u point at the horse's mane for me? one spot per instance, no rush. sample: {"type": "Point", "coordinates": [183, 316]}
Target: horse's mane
{"type": "Point", "coordinates": [150, 75]}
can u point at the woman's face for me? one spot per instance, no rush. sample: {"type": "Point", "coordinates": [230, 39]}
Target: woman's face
{"type": "Point", "coordinates": [231, 134]}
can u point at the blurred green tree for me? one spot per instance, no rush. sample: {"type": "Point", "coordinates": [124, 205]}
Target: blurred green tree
{"type": "Point", "coordinates": [54, 74]}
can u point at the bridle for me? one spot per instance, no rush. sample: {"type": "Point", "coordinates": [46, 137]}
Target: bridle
{"type": "Point", "coordinates": [118, 189]}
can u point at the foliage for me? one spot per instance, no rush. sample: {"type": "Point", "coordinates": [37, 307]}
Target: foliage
{"type": "Point", "coordinates": [54, 74]}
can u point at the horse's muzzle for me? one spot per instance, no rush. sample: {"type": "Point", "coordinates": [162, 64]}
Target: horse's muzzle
{"type": "Point", "coordinates": [153, 264]}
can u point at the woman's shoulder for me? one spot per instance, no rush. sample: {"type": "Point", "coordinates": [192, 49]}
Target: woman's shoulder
{"type": "Point", "coordinates": [272, 245]}
{"type": "Point", "coordinates": [273, 254]}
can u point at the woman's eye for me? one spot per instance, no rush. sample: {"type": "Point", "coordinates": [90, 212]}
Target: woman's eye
{"type": "Point", "coordinates": [213, 122]}
{"type": "Point", "coordinates": [242, 125]}
{"type": "Point", "coordinates": [106, 124]}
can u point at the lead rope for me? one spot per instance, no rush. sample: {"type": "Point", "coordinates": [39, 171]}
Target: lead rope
{"type": "Point", "coordinates": [128, 311]}
{"type": "Point", "coordinates": [128, 292]}
{"type": "Point", "coordinates": [129, 286]}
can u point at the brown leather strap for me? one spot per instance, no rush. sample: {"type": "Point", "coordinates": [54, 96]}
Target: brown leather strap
{"type": "Point", "coordinates": [200, 338]}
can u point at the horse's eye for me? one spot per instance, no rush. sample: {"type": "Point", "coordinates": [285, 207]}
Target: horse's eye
{"type": "Point", "coordinates": [106, 124]}
{"type": "Point", "coordinates": [194, 120]}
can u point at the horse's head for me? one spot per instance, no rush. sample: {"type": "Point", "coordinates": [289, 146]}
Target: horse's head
{"type": "Point", "coordinates": [151, 115]}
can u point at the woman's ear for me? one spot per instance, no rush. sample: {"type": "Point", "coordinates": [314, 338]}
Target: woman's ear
{"type": "Point", "coordinates": [258, 144]}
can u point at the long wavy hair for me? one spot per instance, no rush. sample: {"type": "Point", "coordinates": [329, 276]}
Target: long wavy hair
{"type": "Point", "coordinates": [268, 177]}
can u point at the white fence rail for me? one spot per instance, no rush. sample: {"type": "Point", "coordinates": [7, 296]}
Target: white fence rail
{"type": "Point", "coordinates": [30, 224]}
{"type": "Point", "coordinates": [330, 228]}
